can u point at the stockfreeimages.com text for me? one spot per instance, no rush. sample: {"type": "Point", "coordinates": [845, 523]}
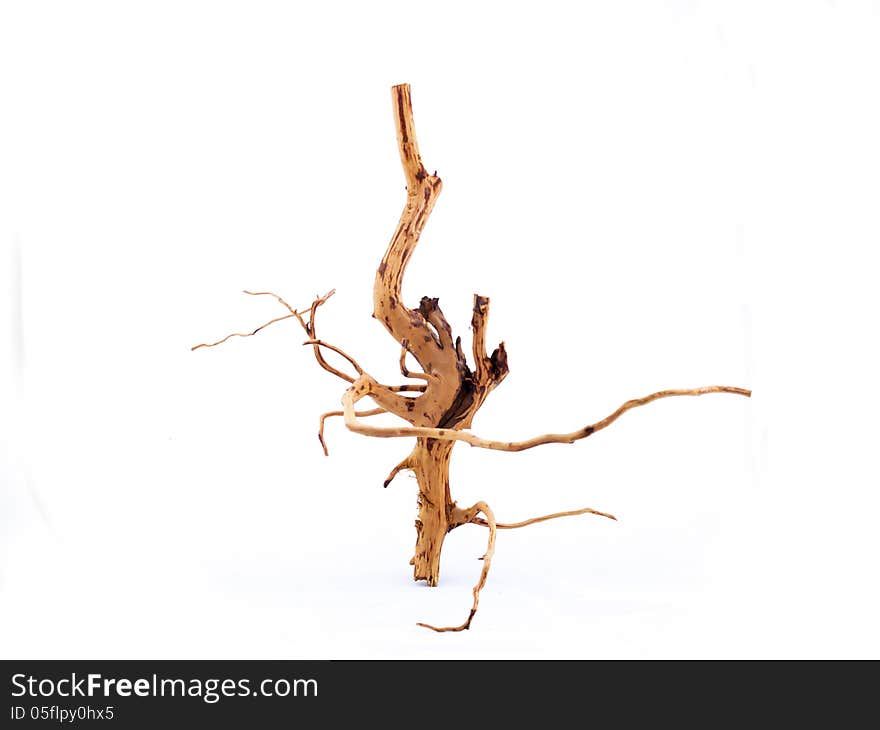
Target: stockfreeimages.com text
{"type": "Point", "coordinates": [210, 690]}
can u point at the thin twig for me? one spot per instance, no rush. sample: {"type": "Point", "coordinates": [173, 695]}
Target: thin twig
{"type": "Point", "coordinates": [246, 334]}
{"type": "Point", "coordinates": [533, 520]}
{"type": "Point", "coordinates": [316, 344]}
{"type": "Point", "coordinates": [342, 353]}
{"type": "Point", "coordinates": [315, 304]}
{"type": "Point", "coordinates": [273, 294]}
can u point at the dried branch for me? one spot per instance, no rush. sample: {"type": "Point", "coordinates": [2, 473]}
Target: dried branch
{"type": "Point", "coordinates": [442, 406]}
{"type": "Point", "coordinates": [533, 520]}
{"type": "Point", "coordinates": [273, 294]}
{"type": "Point", "coordinates": [353, 393]}
{"type": "Point", "coordinates": [489, 370]}
{"type": "Point", "coordinates": [407, 463]}
{"type": "Point", "coordinates": [330, 414]}
{"type": "Point", "coordinates": [309, 328]}
{"type": "Point", "coordinates": [487, 561]}
{"type": "Point", "coordinates": [320, 343]}
{"type": "Point", "coordinates": [314, 308]}
{"type": "Point", "coordinates": [246, 334]}
{"type": "Point", "coordinates": [398, 405]}
{"type": "Point", "coordinates": [317, 344]}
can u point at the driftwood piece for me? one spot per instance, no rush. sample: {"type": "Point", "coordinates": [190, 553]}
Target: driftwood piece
{"type": "Point", "coordinates": [440, 408]}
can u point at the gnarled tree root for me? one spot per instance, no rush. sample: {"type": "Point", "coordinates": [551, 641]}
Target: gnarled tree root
{"type": "Point", "coordinates": [438, 410]}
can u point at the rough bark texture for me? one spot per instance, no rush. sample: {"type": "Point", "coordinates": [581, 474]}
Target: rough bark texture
{"type": "Point", "coordinates": [441, 406]}
{"type": "Point", "coordinates": [431, 466]}
{"type": "Point", "coordinates": [453, 392]}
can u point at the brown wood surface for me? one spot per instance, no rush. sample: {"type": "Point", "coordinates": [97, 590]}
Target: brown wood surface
{"type": "Point", "coordinates": [440, 407]}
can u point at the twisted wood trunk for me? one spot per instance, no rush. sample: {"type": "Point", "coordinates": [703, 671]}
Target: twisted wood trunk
{"type": "Point", "coordinates": [431, 466]}
{"type": "Point", "coordinates": [452, 391]}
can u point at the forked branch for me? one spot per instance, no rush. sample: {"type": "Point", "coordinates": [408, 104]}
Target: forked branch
{"type": "Point", "coordinates": [385, 395]}
{"type": "Point", "coordinates": [309, 328]}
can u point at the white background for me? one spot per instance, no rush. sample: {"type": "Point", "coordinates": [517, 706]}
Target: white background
{"type": "Point", "coordinates": [654, 195]}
